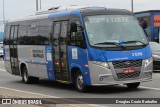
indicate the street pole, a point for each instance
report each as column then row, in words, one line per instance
column 104, row 2
column 36, row 5
column 40, row 5
column 4, row 20
column 132, row 5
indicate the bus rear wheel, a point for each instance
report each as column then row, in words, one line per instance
column 26, row 78
column 133, row 85
column 79, row 82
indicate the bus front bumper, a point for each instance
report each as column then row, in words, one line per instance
column 101, row 76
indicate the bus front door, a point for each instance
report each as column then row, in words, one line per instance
column 13, row 50
column 60, row 51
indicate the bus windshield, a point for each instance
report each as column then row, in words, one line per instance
column 108, row 30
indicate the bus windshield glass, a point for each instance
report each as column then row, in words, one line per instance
column 108, row 30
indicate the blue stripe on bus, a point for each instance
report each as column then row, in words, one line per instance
column 60, row 14
column 50, row 66
column 42, row 63
column 79, row 63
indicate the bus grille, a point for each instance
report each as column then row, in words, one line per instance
column 127, row 64
column 125, row 76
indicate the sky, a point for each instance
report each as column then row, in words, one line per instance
column 20, row 8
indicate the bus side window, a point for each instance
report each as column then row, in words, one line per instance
column 44, row 31
column 6, row 37
column 22, row 35
column 77, row 38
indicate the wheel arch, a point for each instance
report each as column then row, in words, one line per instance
column 22, row 64
column 74, row 71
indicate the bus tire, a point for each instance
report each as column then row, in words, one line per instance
column 79, row 84
column 133, row 85
column 26, row 78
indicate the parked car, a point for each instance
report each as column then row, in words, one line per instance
column 1, row 49
column 155, row 47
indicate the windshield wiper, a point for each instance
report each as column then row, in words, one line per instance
column 111, row 43
column 134, row 42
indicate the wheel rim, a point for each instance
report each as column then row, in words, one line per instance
column 80, row 81
column 25, row 75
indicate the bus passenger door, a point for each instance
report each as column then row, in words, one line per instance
column 13, row 50
column 63, row 51
column 60, row 51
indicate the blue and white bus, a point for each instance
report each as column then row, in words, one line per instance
column 91, row 46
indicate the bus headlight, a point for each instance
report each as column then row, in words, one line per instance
column 102, row 64
column 147, row 61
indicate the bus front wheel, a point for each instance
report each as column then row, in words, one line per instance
column 79, row 82
column 26, row 78
column 133, row 85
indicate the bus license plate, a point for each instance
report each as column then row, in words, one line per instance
column 128, row 70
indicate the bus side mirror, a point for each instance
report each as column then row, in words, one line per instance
column 143, row 23
column 73, row 27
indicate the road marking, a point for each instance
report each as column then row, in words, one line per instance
column 92, row 105
column 2, row 70
column 152, row 88
column 29, row 92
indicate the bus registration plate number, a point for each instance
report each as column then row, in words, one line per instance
column 128, row 70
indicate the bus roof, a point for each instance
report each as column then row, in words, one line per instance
column 84, row 11
column 102, row 10
column 93, row 11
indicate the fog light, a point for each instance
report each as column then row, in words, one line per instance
column 101, row 79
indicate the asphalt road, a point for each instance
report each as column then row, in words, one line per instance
column 50, row 88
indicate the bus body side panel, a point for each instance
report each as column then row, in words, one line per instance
column 35, row 59
column 77, row 57
column 7, row 59
column 49, row 62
